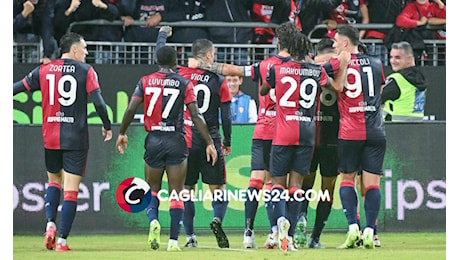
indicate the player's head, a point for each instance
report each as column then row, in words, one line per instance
column 324, row 46
column 300, row 46
column 167, row 56
column 203, row 49
column 284, row 33
column 401, row 56
column 73, row 45
column 346, row 38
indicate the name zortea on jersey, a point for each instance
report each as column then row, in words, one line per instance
column 61, row 68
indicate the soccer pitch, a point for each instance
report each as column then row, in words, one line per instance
column 394, row 246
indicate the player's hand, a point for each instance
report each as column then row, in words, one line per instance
column 107, row 134
column 122, row 143
column 344, row 57
column 211, row 153
column 227, row 150
column 192, row 63
column 167, row 29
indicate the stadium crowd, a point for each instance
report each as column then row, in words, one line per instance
column 46, row 21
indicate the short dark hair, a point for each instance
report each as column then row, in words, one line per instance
column 350, row 32
column 200, row 47
column 325, row 45
column 166, row 55
column 284, row 33
column 300, row 46
column 68, row 40
column 405, row 46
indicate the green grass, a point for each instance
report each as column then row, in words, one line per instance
column 394, row 246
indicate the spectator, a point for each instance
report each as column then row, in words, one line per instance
column 185, row 10
column 418, row 14
column 404, row 91
column 230, row 11
column 262, row 13
column 148, row 11
column 311, row 13
column 383, row 12
column 244, row 108
column 262, row 35
column 32, row 22
column 69, row 11
column 348, row 12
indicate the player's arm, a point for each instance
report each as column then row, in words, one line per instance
column 200, row 124
column 270, row 81
column 163, row 34
column 220, row 68
column 390, row 90
column 226, row 116
column 19, row 87
column 338, row 81
column 101, row 109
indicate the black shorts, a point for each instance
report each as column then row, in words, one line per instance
column 290, row 158
column 326, row 158
column 367, row 155
column 260, row 155
column 214, row 175
column 164, row 149
column 72, row 161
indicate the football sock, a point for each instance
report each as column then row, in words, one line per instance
column 152, row 208
column 349, row 201
column 176, row 212
column 52, row 199
column 278, row 201
column 323, row 211
column 189, row 215
column 220, row 207
column 372, row 205
column 69, row 209
column 252, row 201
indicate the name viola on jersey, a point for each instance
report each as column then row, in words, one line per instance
column 199, row 77
column 298, row 71
column 60, row 118
column 242, row 194
column 163, row 82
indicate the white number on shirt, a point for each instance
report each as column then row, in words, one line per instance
column 206, row 97
column 174, row 93
column 355, row 89
column 306, row 100
column 66, row 97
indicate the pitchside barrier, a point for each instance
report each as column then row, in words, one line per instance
column 413, row 185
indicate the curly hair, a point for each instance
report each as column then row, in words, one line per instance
column 300, row 46
column 284, row 33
